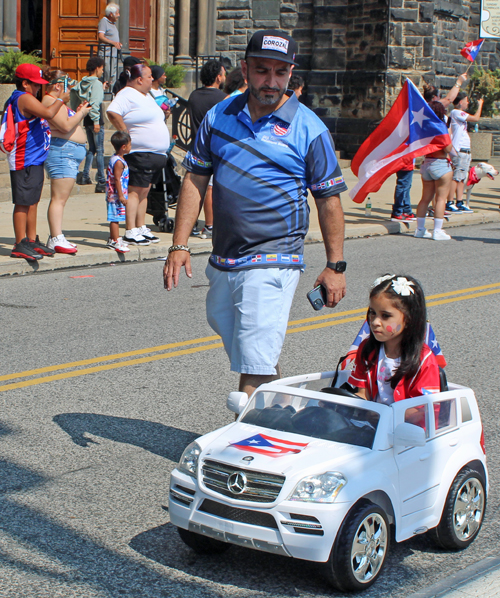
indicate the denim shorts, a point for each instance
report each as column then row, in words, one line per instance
column 433, row 169
column 461, row 165
column 64, row 158
column 249, row 309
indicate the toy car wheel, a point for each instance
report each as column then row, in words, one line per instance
column 463, row 512
column 360, row 550
column 202, row 544
column 170, row 225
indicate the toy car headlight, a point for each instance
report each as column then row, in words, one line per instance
column 189, row 460
column 319, row 488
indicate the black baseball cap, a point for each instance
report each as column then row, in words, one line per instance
column 272, row 43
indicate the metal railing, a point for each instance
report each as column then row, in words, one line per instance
column 181, row 122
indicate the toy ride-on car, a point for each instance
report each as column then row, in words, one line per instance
column 316, row 473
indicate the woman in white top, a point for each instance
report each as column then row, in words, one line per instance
column 461, row 157
column 134, row 110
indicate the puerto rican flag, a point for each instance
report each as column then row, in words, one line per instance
column 266, row 445
column 471, row 49
column 364, row 333
column 410, row 129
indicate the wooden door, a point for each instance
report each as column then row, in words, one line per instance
column 73, row 26
column 139, row 28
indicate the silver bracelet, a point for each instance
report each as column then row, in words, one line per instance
column 179, row 248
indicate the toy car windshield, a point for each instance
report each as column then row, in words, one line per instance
column 326, row 419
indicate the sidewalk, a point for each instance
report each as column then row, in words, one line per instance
column 85, row 224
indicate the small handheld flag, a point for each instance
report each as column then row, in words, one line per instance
column 471, row 49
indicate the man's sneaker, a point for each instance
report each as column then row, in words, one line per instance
column 147, row 234
column 463, row 209
column 40, row 247
column 82, row 179
column 61, row 245
column 409, row 217
column 422, row 233
column 206, row 233
column 452, row 208
column 397, row 218
column 120, row 246
column 25, row 250
column 100, row 188
column 196, row 232
column 134, row 237
column 440, row 235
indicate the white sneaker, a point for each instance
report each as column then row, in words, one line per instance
column 147, row 234
column 134, row 237
column 422, row 233
column 61, row 245
column 440, row 235
column 120, row 246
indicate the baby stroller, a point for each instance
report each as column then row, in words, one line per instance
column 163, row 195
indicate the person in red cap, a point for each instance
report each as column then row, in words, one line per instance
column 27, row 145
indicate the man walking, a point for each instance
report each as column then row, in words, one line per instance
column 265, row 150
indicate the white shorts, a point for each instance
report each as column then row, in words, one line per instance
column 249, row 309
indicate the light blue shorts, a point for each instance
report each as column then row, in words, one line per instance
column 64, row 158
column 249, row 309
column 433, row 169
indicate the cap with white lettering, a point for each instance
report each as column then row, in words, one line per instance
column 274, row 44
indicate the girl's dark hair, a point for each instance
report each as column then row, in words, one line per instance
column 414, row 312
column 234, row 81
column 460, row 96
column 119, row 139
column 439, row 110
column 430, row 92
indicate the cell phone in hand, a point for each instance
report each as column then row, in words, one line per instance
column 317, row 297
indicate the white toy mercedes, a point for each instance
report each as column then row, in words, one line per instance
column 313, row 472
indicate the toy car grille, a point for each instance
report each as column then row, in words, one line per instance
column 241, row 515
column 259, row 486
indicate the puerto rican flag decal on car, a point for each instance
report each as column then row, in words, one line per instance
column 266, row 445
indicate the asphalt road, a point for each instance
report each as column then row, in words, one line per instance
column 87, row 443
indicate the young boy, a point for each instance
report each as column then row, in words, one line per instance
column 91, row 90
column 25, row 134
column 117, row 190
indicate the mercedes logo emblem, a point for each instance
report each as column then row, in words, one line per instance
column 237, row 482
column 247, row 458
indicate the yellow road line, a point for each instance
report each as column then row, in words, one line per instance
column 331, row 320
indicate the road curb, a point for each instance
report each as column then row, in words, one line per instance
column 470, row 576
column 103, row 256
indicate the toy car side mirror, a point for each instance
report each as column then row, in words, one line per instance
column 407, row 434
column 236, row 401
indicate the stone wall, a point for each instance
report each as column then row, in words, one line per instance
column 356, row 54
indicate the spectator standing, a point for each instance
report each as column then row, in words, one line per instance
column 90, row 89
column 67, row 150
column 28, row 147
column 121, row 82
column 117, row 190
column 296, row 85
column 135, row 111
column 265, row 150
column 461, row 156
column 157, row 90
column 401, row 208
column 109, row 39
column 213, row 77
column 235, row 83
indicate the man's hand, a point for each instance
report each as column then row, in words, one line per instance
column 173, row 266
column 97, row 128
column 462, row 78
column 334, row 283
column 118, row 45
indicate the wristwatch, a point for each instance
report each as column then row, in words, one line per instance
column 337, row 266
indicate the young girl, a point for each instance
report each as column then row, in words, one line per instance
column 394, row 363
column 117, row 190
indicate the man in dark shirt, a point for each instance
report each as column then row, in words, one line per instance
column 213, row 77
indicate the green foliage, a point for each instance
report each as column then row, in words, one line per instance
column 485, row 84
column 9, row 61
column 175, row 73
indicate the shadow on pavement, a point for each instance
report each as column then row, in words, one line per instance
column 165, row 441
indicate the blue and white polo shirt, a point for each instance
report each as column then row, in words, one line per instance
column 262, row 171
